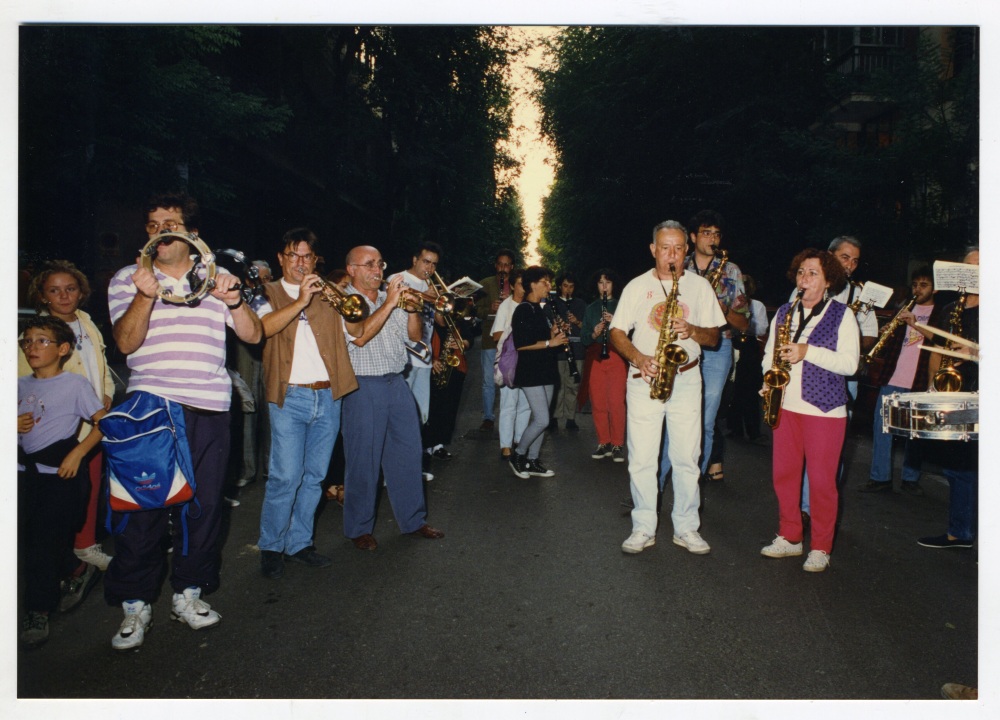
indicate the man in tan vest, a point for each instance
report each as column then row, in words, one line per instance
column 306, row 373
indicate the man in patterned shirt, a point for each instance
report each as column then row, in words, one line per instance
column 380, row 423
column 179, row 353
column 717, row 361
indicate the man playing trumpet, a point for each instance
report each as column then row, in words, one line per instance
column 306, row 374
column 381, row 425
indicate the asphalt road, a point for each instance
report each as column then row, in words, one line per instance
column 529, row 596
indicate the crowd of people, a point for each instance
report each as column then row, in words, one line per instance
column 666, row 362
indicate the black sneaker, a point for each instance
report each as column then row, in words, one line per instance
column 873, row 487
column 571, row 425
column 77, row 588
column 911, row 488
column 442, row 454
column 518, row 463
column 942, row 542
column 272, row 564
column 537, row 469
column 309, row 556
column 34, row 630
column 602, row 451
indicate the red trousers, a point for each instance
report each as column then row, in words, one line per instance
column 88, row 533
column 815, row 442
column 606, row 385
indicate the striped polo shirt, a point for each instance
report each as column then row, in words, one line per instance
column 183, row 357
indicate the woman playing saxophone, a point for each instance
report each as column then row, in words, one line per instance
column 821, row 349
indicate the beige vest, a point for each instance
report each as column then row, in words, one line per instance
column 326, row 325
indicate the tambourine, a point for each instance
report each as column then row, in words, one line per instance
column 201, row 277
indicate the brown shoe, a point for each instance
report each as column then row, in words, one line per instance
column 487, row 426
column 335, row 493
column 428, row 532
column 365, row 542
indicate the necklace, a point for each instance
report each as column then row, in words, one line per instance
column 79, row 337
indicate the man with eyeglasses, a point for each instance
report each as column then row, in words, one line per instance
column 496, row 289
column 717, row 360
column 177, row 352
column 381, row 425
column 306, row 374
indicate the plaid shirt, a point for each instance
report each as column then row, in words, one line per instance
column 384, row 354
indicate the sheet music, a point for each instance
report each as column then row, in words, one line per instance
column 956, row 276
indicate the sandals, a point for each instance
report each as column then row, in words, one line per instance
column 336, row 493
column 716, row 476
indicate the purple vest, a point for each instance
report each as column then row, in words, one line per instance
column 822, row 388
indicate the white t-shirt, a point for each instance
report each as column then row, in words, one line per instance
column 412, row 281
column 504, row 315
column 643, row 301
column 307, row 363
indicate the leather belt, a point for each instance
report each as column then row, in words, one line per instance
column 321, row 385
column 681, row 369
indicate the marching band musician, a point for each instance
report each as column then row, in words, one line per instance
column 604, row 376
column 960, row 461
column 846, row 249
column 570, row 310
column 496, row 288
column 381, row 425
column 696, row 323
column 306, row 375
column 822, row 351
column 535, row 338
column 179, row 353
column 904, row 368
column 514, row 410
column 716, row 361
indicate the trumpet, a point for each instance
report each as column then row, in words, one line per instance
column 353, row 307
column 888, row 330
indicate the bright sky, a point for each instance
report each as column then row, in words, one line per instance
column 529, row 147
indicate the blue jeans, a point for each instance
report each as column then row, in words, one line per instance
column 881, row 469
column 419, row 380
column 715, row 368
column 303, row 432
column 489, row 386
column 852, row 392
column 962, row 502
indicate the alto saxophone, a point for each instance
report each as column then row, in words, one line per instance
column 669, row 355
column 947, row 378
column 715, row 277
column 888, row 330
column 780, row 374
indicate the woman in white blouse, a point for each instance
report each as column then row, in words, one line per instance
column 822, row 351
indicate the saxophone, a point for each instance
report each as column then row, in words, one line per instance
column 715, row 277
column 780, row 373
column 888, row 330
column 947, row 378
column 669, row 355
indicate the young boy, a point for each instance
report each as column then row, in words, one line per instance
column 52, row 478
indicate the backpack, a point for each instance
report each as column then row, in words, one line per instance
column 149, row 461
column 505, row 365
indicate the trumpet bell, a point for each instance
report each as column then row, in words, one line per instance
column 354, row 308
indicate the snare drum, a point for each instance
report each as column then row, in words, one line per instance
column 932, row 415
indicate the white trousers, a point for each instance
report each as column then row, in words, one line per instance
column 645, row 421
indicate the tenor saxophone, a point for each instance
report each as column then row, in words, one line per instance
column 669, row 355
column 780, row 374
column 947, row 378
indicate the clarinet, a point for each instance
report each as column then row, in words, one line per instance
column 604, row 336
column 555, row 319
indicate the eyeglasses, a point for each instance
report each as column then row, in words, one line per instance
column 371, row 265
column 155, row 228
column 710, row 233
column 44, row 342
column 295, row 257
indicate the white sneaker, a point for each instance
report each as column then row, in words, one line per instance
column 781, row 548
column 693, row 542
column 637, row 542
column 131, row 633
column 191, row 609
column 94, row 555
column 427, row 476
column 816, row 561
